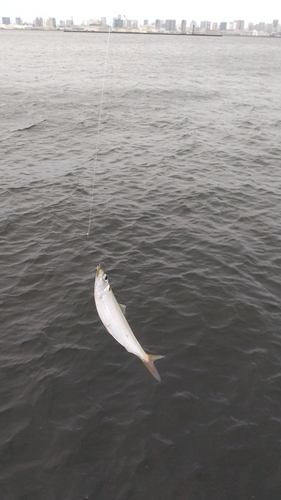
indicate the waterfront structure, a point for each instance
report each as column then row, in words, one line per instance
column 239, row 25
column 170, row 25
column 51, row 23
column 94, row 22
column 193, row 25
column 131, row 24
column 158, row 24
column 269, row 28
column 205, row 25
column 38, row 22
column 134, row 24
column 118, row 22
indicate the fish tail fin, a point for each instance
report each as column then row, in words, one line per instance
column 149, row 363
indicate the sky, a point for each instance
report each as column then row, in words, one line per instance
column 200, row 10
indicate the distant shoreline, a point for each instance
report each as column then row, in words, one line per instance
column 161, row 33
column 141, row 33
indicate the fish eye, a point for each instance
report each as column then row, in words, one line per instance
column 105, row 277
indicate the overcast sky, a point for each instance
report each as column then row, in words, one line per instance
column 201, row 10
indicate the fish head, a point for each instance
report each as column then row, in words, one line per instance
column 101, row 282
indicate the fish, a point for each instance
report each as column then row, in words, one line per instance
column 112, row 316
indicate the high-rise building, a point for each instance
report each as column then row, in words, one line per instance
column 103, row 21
column 275, row 24
column 62, row 24
column 239, row 25
column 19, row 21
column 250, row 26
column 170, row 25
column 261, row 26
column 69, row 23
column 215, row 26
column 131, row 23
column 145, row 22
column 192, row 26
column 205, row 24
column 117, row 22
column 269, row 28
column 51, row 23
column 6, row 20
column 38, row 21
column 223, row 26
column 158, row 24
column 183, row 26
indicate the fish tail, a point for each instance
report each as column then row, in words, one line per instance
column 149, row 363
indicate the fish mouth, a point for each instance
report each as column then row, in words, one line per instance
column 99, row 270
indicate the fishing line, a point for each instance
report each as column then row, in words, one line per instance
column 98, row 133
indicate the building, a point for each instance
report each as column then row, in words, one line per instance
column 103, row 21
column 19, row 21
column 261, row 26
column 215, row 26
column 145, row 22
column 170, row 25
column 269, row 28
column 131, row 23
column 158, row 24
column 223, row 26
column 275, row 24
column 69, row 23
column 205, row 25
column 183, row 26
column 94, row 22
column 51, row 23
column 6, row 20
column 117, row 22
column 38, row 22
column 62, row 24
column 239, row 25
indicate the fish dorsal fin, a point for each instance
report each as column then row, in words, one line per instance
column 123, row 309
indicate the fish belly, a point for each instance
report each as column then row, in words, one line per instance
column 116, row 324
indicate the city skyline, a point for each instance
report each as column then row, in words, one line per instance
column 81, row 11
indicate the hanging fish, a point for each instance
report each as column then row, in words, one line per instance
column 111, row 314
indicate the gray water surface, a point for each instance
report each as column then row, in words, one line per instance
column 186, row 219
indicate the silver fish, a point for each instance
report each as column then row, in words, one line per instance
column 112, row 316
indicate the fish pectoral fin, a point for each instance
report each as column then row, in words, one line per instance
column 149, row 363
column 123, row 309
